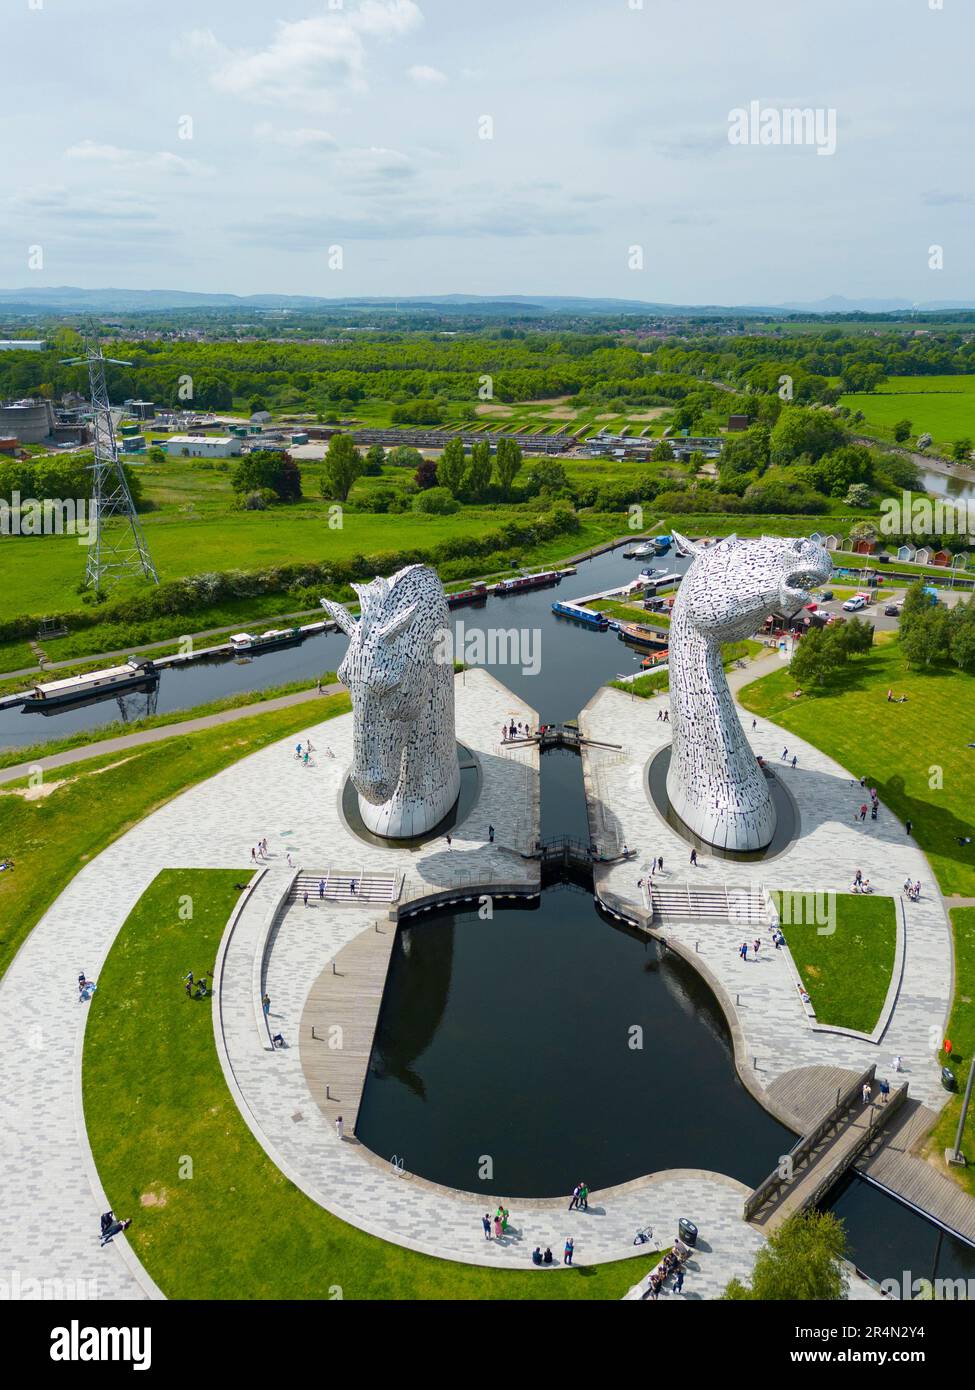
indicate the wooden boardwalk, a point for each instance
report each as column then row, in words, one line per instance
column 803, row 1096
column 339, row 1022
column 897, row 1165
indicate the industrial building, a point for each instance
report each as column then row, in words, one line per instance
column 28, row 421
column 214, row 446
column 22, row 344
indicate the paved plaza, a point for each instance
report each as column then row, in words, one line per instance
column 774, row 1033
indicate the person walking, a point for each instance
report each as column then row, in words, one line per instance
column 340, row 1127
column 584, row 1196
column 305, row 897
column 754, row 723
column 253, row 855
column 575, row 1197
column 794, row 761
column 908, row 826
column 321, row 888
column 449, row 841
column 266, row 1005
column 694, row 857
column 679, row 1279
column 784, row 754
column 867, row 1093
column 569, row 1249
column 497, row 1228
column 490, row 834
column 660, row 864
column 743, row 950
column 486, row 1223
column 883, row 1086
column 755, row 945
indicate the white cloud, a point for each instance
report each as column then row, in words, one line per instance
column 427, row 77
column 161, row 161
column 308, row 62
column 375, row 164
column 304, row 138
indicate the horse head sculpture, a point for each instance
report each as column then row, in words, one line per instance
column 714, row 783
column 404, row 764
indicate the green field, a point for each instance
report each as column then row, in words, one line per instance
column 236, row 1228
column 899, row 748
column 845, row 964
column 942, row 406
column 85, row 807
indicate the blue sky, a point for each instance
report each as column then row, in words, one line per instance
column 318, row 124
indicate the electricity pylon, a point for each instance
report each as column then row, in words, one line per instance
column 121, row 550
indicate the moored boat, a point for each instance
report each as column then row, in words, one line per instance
column 50, row 695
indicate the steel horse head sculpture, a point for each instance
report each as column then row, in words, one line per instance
column 404, row 766
column 714, row 783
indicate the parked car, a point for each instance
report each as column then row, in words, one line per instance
column 854, row 604
column 827, row 595
column 893, row 610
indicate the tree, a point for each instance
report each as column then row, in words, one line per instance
column 452, row 466
column 802, row 430
column 507, row 462
column 256, row 404
column 268, row 471
column 963, row 636
column 375, row 458
column 815, row 658
column 662, row 452
column 479, row 469
column 961, row 449
column 439, row 501
column 902, row 430
column 156, row 455
column 342, row 466
column 800, row 1261
column 404, row 456
column 927, row 638
column 426, row 474
column 916, row 604
column 858, row 495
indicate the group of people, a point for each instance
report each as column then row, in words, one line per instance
column 260, row 852
column 112, row 1226
column 663, row 716
column 195, row 989
column 513, row 730
column 743, row 948
column 580, row 1197
column 860, row 813
column 784, row 757
column 538, row 1258
column 303, row 754
column 671, row 1264
column 860, row 884
column 883, row 1092
column 498, row 1226
column 912, row 887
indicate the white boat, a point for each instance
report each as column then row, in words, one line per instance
column 277, row 637
column 639, row 552
column 51, row 694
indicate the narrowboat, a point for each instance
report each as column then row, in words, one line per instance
column 73, row 690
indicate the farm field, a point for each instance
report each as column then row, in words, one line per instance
column 942, row 406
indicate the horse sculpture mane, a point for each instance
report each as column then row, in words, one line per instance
column 714, row 783
column 404, row 763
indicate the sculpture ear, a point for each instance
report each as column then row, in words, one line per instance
column 685, row 544
column 728, row 540
column 392, row 629
column 341, row 615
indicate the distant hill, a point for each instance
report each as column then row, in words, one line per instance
column 71, row 299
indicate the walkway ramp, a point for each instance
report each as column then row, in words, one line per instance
column 817, row 1160
column 894, row 1162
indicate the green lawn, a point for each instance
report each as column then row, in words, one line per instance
column 899, row 748
column 846, row 971
column 51, row 837
column 237, row 1228
column 942, row 406
column 961, row 1031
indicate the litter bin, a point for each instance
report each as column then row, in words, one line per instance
column 687, row 1231
column 948, row 1079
